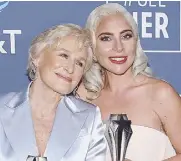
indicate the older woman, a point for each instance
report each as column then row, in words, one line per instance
column 45, row 121
column 152, row 105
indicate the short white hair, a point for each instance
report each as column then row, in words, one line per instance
column 140, row 64
column 51, row 39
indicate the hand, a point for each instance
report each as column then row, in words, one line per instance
column 127, row 160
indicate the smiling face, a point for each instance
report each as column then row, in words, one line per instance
column 115, row 44
column 62, row 68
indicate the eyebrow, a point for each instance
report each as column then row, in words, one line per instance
column 62, row 49
column 79, row 58
column 82, row 59
column 109, row 33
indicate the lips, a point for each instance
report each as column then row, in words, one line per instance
column 118, row 59
column 67, row 79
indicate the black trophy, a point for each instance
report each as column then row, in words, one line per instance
column 118, row 135
column 33, row 158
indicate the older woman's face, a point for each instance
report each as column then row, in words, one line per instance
column 115, row 44
column 61, row 69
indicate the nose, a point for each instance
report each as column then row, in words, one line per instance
column 118, row 46
column 70, row 67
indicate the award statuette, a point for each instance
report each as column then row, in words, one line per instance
column 33, row 158
column 118, row 135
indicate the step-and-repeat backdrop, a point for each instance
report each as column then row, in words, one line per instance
column 159, row 27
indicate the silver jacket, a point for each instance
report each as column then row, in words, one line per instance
column 77, row 134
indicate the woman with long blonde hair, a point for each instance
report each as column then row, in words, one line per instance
column 123, row 83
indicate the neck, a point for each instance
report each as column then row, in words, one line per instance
column 43, row 99
column 119, row 82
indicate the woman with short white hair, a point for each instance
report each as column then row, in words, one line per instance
column 47, row 121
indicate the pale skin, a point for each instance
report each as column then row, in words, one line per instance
column 147, row 101
column 49, row 87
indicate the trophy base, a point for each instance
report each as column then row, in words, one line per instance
column 33, row 158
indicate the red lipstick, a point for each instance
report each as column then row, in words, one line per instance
column 118, row 59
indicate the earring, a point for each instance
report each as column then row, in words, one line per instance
column 32, row 73
column 75, row 91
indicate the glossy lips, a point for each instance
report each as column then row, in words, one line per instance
column 118, row 59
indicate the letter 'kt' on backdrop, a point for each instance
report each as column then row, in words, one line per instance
column 158, row 23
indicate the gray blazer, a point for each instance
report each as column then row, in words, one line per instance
column 77, row 135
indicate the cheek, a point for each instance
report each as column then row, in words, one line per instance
column 58, row 62
column 77, row 77
column 130, row 47
column 48, row 62
column 55, row 63
column 102, row 50
column 78, row 74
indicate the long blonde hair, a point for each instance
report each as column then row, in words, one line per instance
column 140, row 64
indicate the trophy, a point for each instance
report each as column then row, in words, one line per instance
column 33, row 158
column 118, row 134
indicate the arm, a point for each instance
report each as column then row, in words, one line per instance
column 97, row 147
column 169, row 110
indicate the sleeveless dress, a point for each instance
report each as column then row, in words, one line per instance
column 147, row 144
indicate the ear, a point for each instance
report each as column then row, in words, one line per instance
column 37, row 60
column 35, row 63
column 40, row 57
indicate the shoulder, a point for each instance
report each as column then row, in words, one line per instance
column 12, row 99
column 158, row 89
column 162, row 90
column 164, row 97
column 79, row 105
column 82, row 104
column 5, row 98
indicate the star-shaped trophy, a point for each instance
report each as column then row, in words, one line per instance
column 33, row 158
column 118, row 134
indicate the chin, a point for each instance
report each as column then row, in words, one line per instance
column 64, row 92
column 117, row 71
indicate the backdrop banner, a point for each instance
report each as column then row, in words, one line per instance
column 159, row 28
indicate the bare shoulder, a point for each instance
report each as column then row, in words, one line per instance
column 159, row 92
column 167, row 104
column 164, row 97
column 162, row 90
column 159, row 88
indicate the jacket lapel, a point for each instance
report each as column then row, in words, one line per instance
column 18, row 126
column 68, row 123
column 17, row 122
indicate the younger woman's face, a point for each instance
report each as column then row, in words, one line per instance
column 115, row 44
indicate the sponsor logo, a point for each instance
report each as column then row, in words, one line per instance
column 3, row 5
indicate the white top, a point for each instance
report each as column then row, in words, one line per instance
column 147, row 144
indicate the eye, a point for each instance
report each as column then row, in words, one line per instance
column 79, row 63
column 105, row 38
column 64, row 55
column 127, row 36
